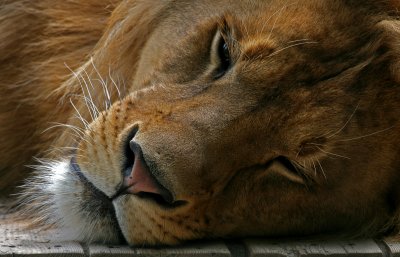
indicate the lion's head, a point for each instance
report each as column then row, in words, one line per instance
column 233, row 118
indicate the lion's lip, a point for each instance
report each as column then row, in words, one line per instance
column 102, row 200
column 73, row 165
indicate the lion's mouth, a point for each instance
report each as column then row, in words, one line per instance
column 162, row 196
column 160, row 201
column 96, row 200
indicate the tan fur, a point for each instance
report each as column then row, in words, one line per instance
column 314, row 82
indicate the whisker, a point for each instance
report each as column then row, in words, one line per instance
column 85, row 122
column 345, row 124
column 123, row 84
column 316, row 144
column 322, row 169
column 93, row 107
column 57, row 124
column 66, row 147
column 88, row 90
column 269, row 18
column 364, row 136
column 299, row 40
column 83, row 91
column 104, row 85
column 115, row 84
column 315, row 168
column 276, row 19
column 300, row 167
column 290, row 46
column 333, row 154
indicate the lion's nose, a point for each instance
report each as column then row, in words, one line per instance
column 139, row 180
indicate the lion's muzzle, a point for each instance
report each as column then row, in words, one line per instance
column 139, row 180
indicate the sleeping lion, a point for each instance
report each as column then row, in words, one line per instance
column 156, row 122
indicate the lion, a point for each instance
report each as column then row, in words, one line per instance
column 159, row 122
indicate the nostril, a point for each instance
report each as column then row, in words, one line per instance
column 129, row 156
column 139, row 180
column 135, row 148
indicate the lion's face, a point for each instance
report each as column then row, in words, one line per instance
column 239, row 118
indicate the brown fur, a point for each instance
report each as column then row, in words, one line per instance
column 316, row 82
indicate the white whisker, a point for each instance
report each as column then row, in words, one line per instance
column 92, row 106
column 115, row 84
column 104, row 85
column 364, row 136
column 315, row 168
column 345, row 124
column 91, row 111
column 290, row 46
column 88, row 90
column 85, row 122
column 298, row 41
column 57, row 124
column 322, row 169
column 333, row 154
column 276, row 19
column 123, row 84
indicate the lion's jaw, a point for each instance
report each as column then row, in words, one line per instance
column 270, row 148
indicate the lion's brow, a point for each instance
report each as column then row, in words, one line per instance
column 256, row 50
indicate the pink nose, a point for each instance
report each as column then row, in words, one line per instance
column 139, row 180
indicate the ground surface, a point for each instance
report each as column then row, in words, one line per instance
column 17, row 240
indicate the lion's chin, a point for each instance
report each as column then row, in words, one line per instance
column 63, row 199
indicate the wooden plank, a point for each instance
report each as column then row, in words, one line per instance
column 97, row 250
column 5, row 251
column 4, row 247
column 17, row 239
column 48, row 249
column 393, row 247
column 259, row 247
column 215, row 249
